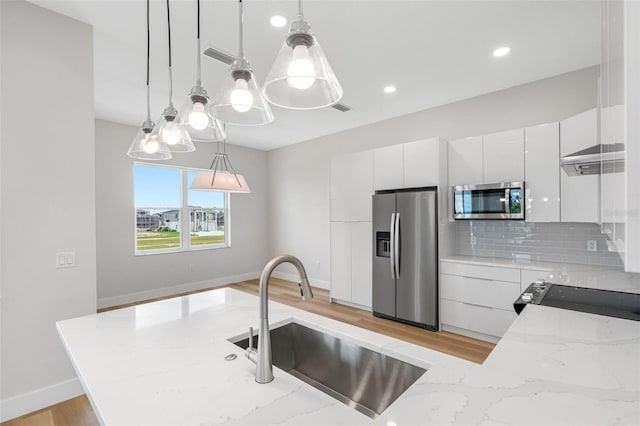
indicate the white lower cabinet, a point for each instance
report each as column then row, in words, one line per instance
column 477, row 300
column 351, row 262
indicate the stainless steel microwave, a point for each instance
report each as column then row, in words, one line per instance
column 489, row 201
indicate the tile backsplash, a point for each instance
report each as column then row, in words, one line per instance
column 543, row 242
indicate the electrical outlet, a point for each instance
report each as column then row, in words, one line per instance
column 592, row 245
column 472, row 240
column 190, row 267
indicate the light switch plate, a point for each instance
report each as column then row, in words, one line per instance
column 66, row 259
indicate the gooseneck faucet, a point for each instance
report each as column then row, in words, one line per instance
column 262, row 357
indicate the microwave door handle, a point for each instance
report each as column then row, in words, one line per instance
column 507, row 201
column 392, row 229
column 396, row 248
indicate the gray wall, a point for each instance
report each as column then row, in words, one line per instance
column 47, row 200
column 299, row 174
column 124, row 277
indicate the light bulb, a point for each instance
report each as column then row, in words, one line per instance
column 171, row 133
column 241, row 98
column 301, row 73
column 198, row 118
column 150, row 144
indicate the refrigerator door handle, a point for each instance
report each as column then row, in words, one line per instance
column 392, row 230
column 396, row 248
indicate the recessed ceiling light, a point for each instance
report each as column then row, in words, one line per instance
column 278, row 21
column 389, row 89
column 501, row 51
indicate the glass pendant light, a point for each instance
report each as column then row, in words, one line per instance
column 168, row 128
column 239, row 100
column 301, row 77
column 196, row 115
column 144, row 145
column 221, row 176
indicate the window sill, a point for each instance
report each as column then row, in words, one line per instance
column 181, row 250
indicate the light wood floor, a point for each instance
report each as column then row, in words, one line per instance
column 78, row 412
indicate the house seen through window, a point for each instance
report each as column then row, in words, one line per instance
column 170, row 217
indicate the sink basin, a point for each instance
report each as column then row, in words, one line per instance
column 365, row 380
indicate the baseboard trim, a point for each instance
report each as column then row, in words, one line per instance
column 124, row 299
column 469, row 333
column 38, row 399
column 294, row 277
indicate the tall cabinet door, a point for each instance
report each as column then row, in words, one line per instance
column 361, row 263
column 384, row 288
column 465, row 161
column 341, row 260
column 579, row 195
column 542, row 175
column 417, row 283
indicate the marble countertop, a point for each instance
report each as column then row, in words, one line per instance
column 601, row 277
column 163, row 364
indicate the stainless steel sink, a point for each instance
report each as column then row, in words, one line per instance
column 358, row 377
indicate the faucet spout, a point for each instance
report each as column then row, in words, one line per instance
column 264, row 365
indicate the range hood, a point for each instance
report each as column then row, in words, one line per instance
column 595, row 160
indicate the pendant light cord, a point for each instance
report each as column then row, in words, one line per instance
column 240, row 37
column 198, row 78
column 170, row 74
column 300, row 14
column 148, row 50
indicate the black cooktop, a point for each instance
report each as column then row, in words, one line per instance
column 601, row 302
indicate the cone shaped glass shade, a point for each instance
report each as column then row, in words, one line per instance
column 173, row 134
column 302, row 78
column 145, row 146
column 240, row 102
column 219, row 181
column 199, row 122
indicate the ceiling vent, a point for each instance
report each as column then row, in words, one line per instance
column 227, row 58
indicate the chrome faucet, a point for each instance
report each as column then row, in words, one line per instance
column 262, row 357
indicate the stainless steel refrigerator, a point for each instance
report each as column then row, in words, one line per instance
column 405, row 256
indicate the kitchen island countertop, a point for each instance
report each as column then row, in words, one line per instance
column 163, row 363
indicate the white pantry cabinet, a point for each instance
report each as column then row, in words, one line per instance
column 477, row 300
column 465, row 161
column 579, row 195
column 351, row 262
column 503, row 156
column 351, row 187
column 542, row 174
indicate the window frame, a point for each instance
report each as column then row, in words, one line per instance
column 185, row 215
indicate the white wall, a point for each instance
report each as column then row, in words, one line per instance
column 299, row 174
column 124, row 277
column 47, row 200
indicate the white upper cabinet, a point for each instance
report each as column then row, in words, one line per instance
column 503, row 156
column 542, row 174
column 421, row 163
column 579, row 195
column 465, row 161
column 351, row 187
column 388, row 166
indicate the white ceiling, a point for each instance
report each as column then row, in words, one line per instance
column 435, row 52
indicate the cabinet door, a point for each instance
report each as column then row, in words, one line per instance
column 341, row 261
column 361, row 187
column 421, row 163
column 579, row 195
column 361, row 263
column 542, row 174
column 465, row 161
column 387, row 167
column 339, row 188
column 503, row 156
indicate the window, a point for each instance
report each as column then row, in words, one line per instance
column 170, row 217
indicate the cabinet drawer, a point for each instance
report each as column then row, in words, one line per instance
column 496, row 294
column 480, row 319
column 479, row 271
